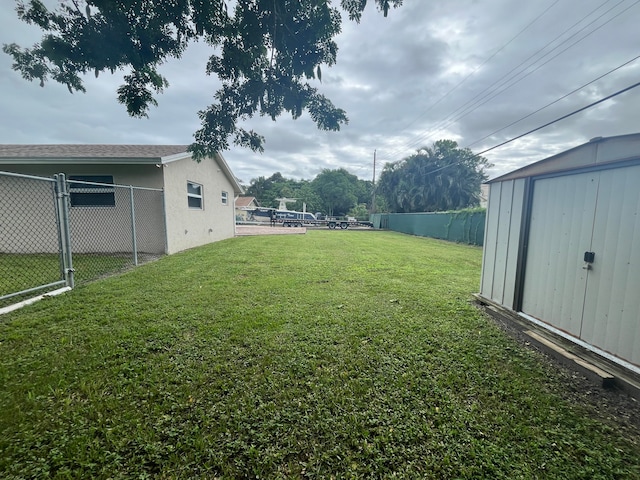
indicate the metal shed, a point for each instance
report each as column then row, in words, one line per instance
column 562, row 246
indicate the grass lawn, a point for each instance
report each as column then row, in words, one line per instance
column 20, row 272
column 328, row 355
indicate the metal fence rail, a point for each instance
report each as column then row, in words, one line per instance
column 58, row 231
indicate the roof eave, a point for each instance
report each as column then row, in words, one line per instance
column 237, row 188
column 526, row 171
column 79, row 160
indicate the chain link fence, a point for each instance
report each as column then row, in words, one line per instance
column 29, row 237
column 57, row 232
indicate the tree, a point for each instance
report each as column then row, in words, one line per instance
column 265, row 52
column 359, row 211
column 332, row 191
column 438, row 178
column 338, row 190
column 266, row 190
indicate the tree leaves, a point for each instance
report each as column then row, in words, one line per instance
column 438, row 178
column 333, row 192
column 136, row 93
column 266, row 52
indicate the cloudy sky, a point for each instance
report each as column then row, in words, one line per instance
column 433, row 69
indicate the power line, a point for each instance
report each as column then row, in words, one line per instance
column 478, row 68
column 472, row 104
column 593, row 104
column 608, row 97
column 556, row 100
column 485, row 100
column 464, row 109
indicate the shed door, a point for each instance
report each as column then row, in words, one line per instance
column 591, row 212
column 611, row 318
column 560, row 232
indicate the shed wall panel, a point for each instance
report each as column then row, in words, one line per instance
column 490, row 242
column 502, row 242
column 489, row 249
column 502, row 236
column 612, row 308
column 513, row 246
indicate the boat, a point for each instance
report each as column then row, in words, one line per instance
column 282, row 214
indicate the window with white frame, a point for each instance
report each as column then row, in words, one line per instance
column 92, row 191
column 194, row 195
column 225, row 198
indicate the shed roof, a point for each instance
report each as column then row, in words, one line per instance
column 597, row 151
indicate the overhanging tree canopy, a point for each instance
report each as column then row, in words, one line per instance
column 264, row 52
column 438, row 178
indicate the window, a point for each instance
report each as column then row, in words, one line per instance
column 194, row 195
column 225, row 198
column 84, row 194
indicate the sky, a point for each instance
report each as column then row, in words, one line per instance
column 465, row 70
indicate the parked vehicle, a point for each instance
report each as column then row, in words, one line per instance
column 292, row 218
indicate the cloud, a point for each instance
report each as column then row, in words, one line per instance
column 461, row 69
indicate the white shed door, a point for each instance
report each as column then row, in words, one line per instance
column 591, row 212
column 559, row 234
column 611, row 318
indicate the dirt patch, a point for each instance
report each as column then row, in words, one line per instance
column 612, row 406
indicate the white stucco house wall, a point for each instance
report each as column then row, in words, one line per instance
column 196, row 205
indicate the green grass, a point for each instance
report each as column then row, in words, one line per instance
column 20, row 272
column 328, row 355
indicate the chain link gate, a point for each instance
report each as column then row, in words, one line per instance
column 30, row 253
column 57, row 232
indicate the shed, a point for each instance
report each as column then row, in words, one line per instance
column 562, row 246
column 197, row 205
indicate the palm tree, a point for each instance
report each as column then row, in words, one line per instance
column 437, row 178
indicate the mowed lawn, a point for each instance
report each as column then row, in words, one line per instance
column 335, row 354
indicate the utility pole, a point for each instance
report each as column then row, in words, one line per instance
column 373, row 195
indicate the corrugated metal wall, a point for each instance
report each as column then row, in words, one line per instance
column 502, row 234
column 611, row 318
column 591, row 211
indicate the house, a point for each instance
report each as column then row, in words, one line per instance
column 194, row 206
column 561, row 248
column 244, row 207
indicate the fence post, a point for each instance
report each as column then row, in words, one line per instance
column 62, row 205
column 133, row 228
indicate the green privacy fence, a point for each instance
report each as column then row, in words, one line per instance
column 465, row 226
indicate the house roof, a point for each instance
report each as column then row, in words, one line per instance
column 245, row 201
column 103, row 154
column 597, row 151
column 88, row 152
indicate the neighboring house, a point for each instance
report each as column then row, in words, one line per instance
column 562, row 246
column 196, row 206
column 244, row 207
